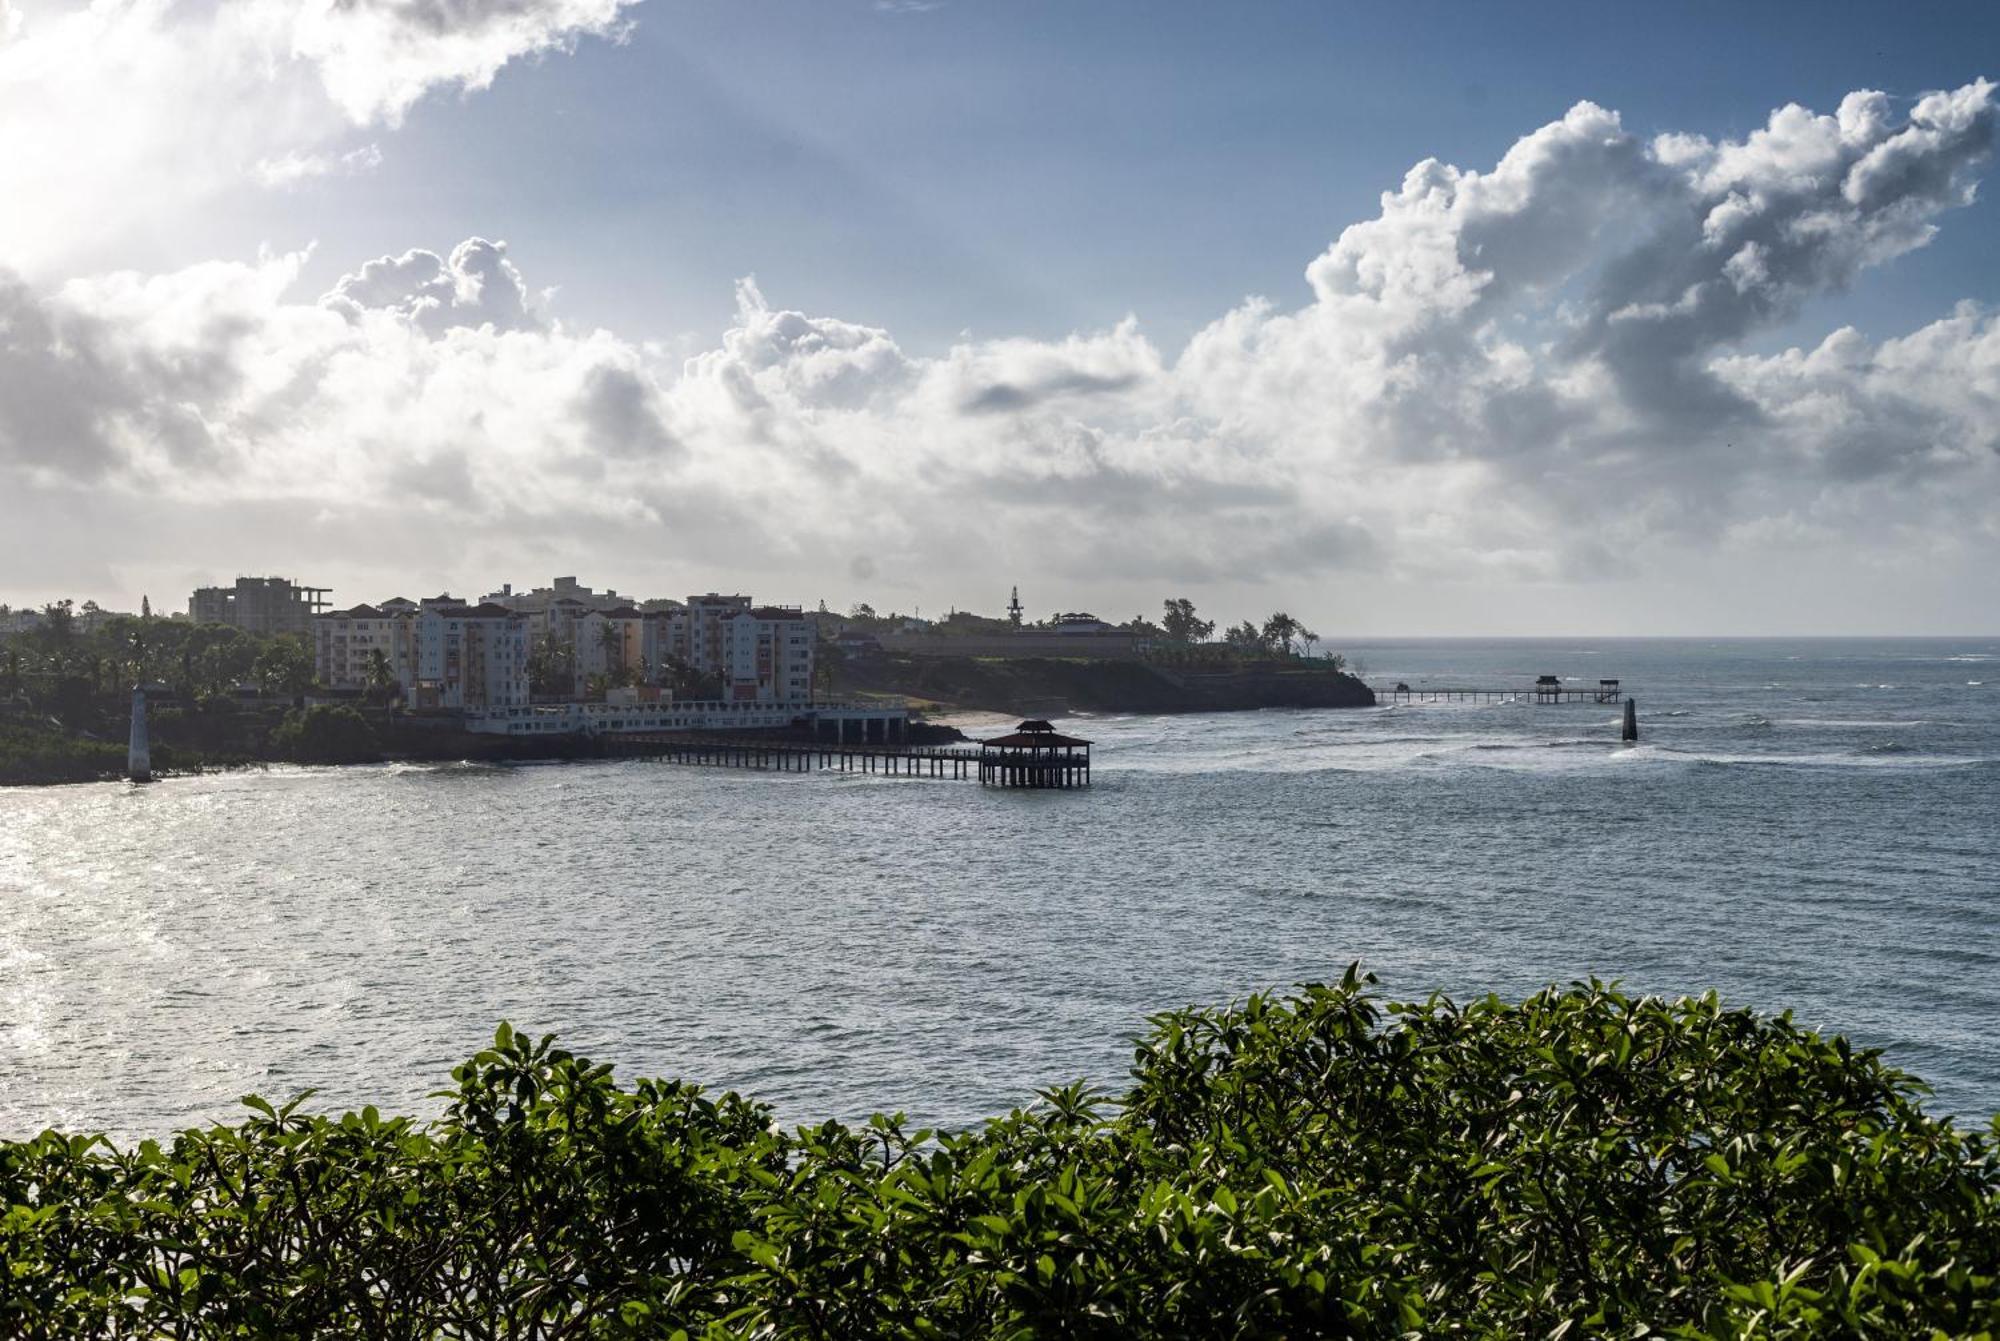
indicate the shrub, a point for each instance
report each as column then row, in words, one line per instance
column 327, row 733
column 1582, row 1163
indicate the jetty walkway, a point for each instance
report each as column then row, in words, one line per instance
column 1034, row 756
column 795, row 756
column 1547, row 690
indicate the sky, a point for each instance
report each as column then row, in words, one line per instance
column 1408, row 319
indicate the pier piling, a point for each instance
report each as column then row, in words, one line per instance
column 1631, row 730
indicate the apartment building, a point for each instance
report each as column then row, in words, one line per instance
column 612, row 643
column 698, row 638
column 767, row 655
column 344, row 643
column 562, row 589
column 473, row 657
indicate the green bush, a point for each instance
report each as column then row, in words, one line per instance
column 1580, row 1164
column 327, row 733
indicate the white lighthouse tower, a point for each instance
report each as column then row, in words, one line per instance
column 139, row 754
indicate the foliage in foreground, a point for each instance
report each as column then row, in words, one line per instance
column 1583, row 1163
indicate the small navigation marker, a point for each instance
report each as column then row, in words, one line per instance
column 1631, row 731
column 139, row 755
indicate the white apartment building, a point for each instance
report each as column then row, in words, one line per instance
column 698, row 636
column 561, row 589
column 610, row 643
column 344, row 640
column 767, row 655
column 473, row 657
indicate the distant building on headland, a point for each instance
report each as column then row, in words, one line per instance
column 261, row 605
column 1076, row 634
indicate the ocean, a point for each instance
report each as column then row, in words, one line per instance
column 1810, row 825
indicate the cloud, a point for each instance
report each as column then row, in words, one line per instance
column 291, row 167
column 476, row 286
column 378, row 57
column 175, row 103
column 1534, row 370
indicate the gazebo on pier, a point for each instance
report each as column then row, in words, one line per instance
column 1035, row 755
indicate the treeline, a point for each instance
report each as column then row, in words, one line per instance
column 1580, row 1164
column 70, row 661
column 1181, row 629
column 65, row 699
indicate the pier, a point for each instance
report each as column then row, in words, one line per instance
column 1546, row 690
column 1033, row 756
column 960, row 762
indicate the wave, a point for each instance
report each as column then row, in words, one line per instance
column 1900, row 757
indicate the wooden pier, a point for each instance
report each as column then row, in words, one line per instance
column 792, row 756
column 1548, row 690
column 1034, row 756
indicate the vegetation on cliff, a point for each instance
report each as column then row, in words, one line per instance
column 1582, row 1163
column 1042, row 685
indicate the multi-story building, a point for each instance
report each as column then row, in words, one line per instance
column 561, row 589
column 473, row 657
column 698, row 639
column 263, row 605
column 767, row 655
column 611, row 643
column 344, row 643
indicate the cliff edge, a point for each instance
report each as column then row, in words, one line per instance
column 1031, row 686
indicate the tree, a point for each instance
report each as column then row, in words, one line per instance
column 381, row 676
column 1279, row 630
column 327, row 733
column 59, row 621
column 283, row 667
column 862, row 610
column 611, row 638
column 552, row 667
column 1244, row 638
column 1307, row 638
column 1183, row 625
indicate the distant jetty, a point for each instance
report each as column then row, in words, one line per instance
column 1547, row 689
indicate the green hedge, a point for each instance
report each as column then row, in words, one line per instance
column 1580, row 1164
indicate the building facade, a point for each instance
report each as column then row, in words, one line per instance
column 767, row 655
column 263, row 605
column 471, row 657
column 344, row 644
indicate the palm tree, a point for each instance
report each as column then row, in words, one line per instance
column 612, row 639
column 382, row 683
column 1308, row 638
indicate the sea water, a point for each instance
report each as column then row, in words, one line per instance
column 1811, row 825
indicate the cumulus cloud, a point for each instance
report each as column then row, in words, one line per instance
column 378, row 57
column 1537, row 367
column 174, row 103
column 475, row 286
